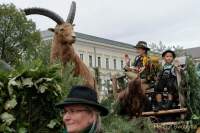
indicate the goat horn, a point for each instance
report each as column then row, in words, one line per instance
column 44, row 12
column 72, row 11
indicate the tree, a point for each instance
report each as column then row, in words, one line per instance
column 18, row 36
column 193, row 83
column 43, row 51
column 160, row 47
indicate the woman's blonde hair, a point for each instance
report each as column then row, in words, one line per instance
column 98, row 118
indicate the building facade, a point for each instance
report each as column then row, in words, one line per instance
column 96, row 52
column 194, row 52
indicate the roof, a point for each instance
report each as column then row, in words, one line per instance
column 194, row 52
column 48, row 34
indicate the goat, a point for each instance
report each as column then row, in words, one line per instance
column 132, row 100
column 63, row 40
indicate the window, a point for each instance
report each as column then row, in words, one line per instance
column 108, row 85
column 122, row 64
column 90, row 60
column 100, row 84
column 115, row 64
column 107, row 63
column 99, row 62
column 81, row 56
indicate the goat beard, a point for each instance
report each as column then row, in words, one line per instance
column 68, row 42
column 72, row 41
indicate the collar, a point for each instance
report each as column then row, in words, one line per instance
column 168, row 64
column 90, row 129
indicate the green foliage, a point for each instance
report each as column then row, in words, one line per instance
column 18, row 36
column 193, row 81
column 43, row 51
column 28, row 95
column 121, row 124
column 198, row 70
column 117, row 124
column 68, row 78
column 4, row 66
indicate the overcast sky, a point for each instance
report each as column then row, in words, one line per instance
column 174, row 22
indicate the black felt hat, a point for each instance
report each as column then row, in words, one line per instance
column 169, row 51
column 143, row 45
column 83, row 95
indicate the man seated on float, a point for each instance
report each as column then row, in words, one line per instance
column 166, row 79
column 141, row 63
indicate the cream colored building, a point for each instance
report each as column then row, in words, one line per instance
column 107, row 55
column 194, row 52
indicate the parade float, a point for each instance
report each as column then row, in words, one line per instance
column 30, row 88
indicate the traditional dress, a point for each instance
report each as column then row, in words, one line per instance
column 167, row 78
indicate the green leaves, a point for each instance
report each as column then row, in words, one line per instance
column 195, row 117
column 1, row 85
column 10, row 104
column 52, row 123
column 18, row 36
column 114, row 123
column 27, row 82
column 193, row 84
column 28, row 94
column 22, row 130
column 42, row 88
column 7, row 118
column 117, row 124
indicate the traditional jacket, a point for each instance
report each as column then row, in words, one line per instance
column 143, row 61
column 167, row 72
